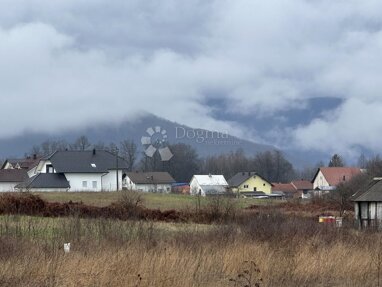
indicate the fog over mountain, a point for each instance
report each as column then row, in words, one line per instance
column 299, row 75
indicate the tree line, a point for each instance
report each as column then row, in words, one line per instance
column 186, row 162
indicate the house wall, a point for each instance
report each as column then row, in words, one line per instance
column 320, row 181
column 47, row 190
column 129, row 184
column 109, row 180
column 254, row 182
column 195, row 188
column 161, row 188
column 368, row 214
column 8, row 166
column 76, row 180
column 7, row 186
column 42, row 168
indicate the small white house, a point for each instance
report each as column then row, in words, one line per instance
column 94, row 170
column 208, row 185
column 149, row 181
column 9, row 178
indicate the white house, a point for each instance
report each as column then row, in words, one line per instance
column 327, row 178
column 9, row 178
column 208, row 184
column 94, row 170
column 149, row 181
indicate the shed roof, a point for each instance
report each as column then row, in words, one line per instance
column 13, row 175
column 373, row 192
column 45, row 180
column 284, row 187
column 302, row 184
column 150, row 177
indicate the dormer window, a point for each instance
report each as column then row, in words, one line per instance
column 93, row 165
column 49, row 168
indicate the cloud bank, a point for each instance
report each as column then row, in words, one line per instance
column 73, row 63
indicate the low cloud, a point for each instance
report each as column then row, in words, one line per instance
column 75, row 63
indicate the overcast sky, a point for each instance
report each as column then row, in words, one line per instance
column 211, row 64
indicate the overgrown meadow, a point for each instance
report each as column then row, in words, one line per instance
column 218, row 244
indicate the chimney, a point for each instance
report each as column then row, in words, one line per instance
column 94, row 151
column 34, row 156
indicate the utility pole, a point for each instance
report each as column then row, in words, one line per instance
column 116, row 157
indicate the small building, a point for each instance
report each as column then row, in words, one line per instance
column 10, row 178
column 285, row 188
column 45, row 182
column 208, row 185
column 368, row 205
column 303, row 187
column 149, row 181
column 250, row 184
column 326, row 179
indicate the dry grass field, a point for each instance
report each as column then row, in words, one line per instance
column 116, row 253
column 160, row 201
column 255, row 247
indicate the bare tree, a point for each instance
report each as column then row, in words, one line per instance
column 82, row 143
column 129, row 152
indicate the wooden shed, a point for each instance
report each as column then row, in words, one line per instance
column 368, row 205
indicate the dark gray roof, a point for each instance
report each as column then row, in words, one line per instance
column 13, row 175
column 373, row 192
column 45, row 180
column 150, row 177
column 99, row 161
column 241, row 177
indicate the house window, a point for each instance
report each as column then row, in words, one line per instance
column 263, row 184
column 49, row 168
column 94, row 184
column 85, row 184
column 245, row 185
column 254, row 189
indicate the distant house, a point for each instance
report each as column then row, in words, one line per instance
column 10, row 178
column 250, row 184
column 303, row 188
column 29, row 164
column 94, row 170
column 286, row 188
column 327, row 178
column 208, row 185
column 149, row 181
column 368, row 205
column 294, row 189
